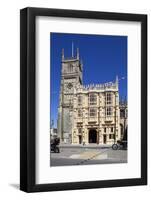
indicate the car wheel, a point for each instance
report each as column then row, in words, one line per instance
column 114, row 146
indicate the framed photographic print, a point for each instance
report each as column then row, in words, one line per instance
column 83, row 99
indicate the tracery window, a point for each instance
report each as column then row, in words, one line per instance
column 108, row 98
column 108, row 111
column 92, row 112
column 92, row 99
column 111, row 136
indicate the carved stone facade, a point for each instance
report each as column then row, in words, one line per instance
column 87, row 114
column 96, row 114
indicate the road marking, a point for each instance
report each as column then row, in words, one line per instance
column 75, row 156
column 92, row 157
column 102, row 156
column 84, row 155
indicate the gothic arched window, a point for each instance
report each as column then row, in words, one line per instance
column 92, row 112
column 70, row 68
column 108, row 98
column 92, row 99
column 109, row 111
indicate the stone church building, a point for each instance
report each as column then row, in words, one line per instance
column 87, row 113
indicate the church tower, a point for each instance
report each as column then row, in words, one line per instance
column 71, row 76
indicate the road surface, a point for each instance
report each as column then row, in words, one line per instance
column 86, row 156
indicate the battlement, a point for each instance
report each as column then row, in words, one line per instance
column 97, row 87
column 69, row 59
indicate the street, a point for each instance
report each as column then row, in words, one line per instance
column 78, row 155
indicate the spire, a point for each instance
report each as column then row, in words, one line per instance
column 78, row 53
column 72, row 50
column 62, row 54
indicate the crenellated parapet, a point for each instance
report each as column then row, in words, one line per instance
column 113, row 86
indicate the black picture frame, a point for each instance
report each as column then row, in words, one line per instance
column 28, row 99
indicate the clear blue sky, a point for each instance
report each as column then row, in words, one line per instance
column 103, row 58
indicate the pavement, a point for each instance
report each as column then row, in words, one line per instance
column 85, row 155
column 63, row 145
